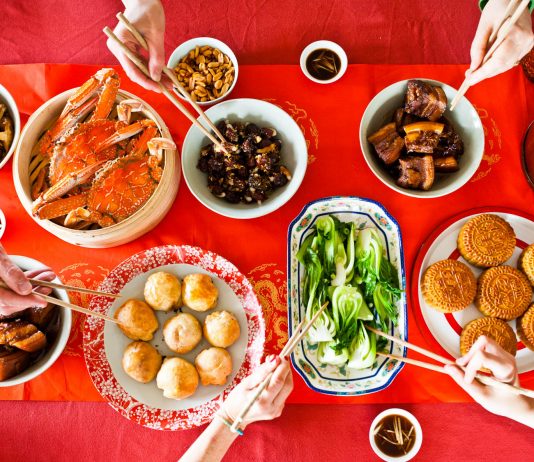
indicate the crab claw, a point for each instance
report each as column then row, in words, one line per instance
column 156, row 146
column 63, row 186
column 126, row 107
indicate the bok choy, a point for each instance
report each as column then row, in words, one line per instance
column 349, row 269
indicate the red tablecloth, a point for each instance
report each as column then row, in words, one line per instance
column 336, row 167
column 382, row 31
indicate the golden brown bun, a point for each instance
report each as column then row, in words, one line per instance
column 182, row 333
column 163, row 291
column 503, row 292
column 493, row 328
column 214, row 365
column 177, row 378
column 141, row 361
column 525, row 327
column 138, row 320
column 448, row 286
column 221, row 329
column 526, row 263
column 486, row 240
column 199, row 293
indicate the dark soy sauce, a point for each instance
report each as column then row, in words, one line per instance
column 394, row 435
column 323, row 64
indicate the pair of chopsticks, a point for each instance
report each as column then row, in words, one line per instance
column 218, row 140
column 497, row 37
column 301, row 330
column 484, row 379
column 70, row 306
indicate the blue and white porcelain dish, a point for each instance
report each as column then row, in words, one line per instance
column 334, row 380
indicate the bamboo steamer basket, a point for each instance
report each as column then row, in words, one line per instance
column 128, row 230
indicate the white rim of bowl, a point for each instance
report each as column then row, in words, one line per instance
column 407, row 192
column 190, row 45
column 14, row 112
column 3, row 223
column 418, row 435
column 266, row 209
column 331, row 46
column 62, row 335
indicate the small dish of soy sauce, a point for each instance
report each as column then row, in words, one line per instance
column 323, row 61
column 395, row 435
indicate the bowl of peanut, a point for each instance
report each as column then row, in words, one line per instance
column 206, row 67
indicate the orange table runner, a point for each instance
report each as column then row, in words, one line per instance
column 329, row 116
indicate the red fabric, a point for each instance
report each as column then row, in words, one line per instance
column 258, row 31
column 93, row 431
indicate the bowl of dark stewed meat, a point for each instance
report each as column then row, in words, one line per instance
column 256, row 169
column 415, row 145
column 31, row 340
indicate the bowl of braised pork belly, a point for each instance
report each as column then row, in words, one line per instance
column 33, row 339
column 415, row 145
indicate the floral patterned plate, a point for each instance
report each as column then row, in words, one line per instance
column 104, row 343
column 324, row 378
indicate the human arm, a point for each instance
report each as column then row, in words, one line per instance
column 18, row 296
column 517, row 43
column 148, row 18
column 486, row 353
column 214, row 442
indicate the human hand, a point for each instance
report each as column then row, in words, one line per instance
column 19, row 297
column 486, row 353
column 517, row 43
column 271, row 402
column 148, row 18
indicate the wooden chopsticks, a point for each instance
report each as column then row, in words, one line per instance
column 53, row 285
column 498, row 35
column 290, row 346
column 70, row 306
column 172, row 76
column 141, row 64
column 484, row 379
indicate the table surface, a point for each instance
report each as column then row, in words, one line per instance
column 385, row 32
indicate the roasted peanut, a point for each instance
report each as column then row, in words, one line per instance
column 206, row 72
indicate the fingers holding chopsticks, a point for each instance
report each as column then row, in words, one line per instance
column 149, row 20
column 486, row 353
column 495, row 25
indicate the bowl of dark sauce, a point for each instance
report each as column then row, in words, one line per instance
column 395, row 435
column 527, row 155
column 323, row 61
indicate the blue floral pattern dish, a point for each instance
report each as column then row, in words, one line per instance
column 325, row 378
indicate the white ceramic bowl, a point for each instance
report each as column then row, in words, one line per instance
column 329, row 46
column 464, row 119
column 7, row 99
column 2, row 223
column 294, row 155
column 53, row 351
column 186, row 47
column 142, row 221
column 418, row 435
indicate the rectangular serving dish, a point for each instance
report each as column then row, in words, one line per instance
column 329, row 379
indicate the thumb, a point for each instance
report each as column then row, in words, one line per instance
column 259, row 375
column 156, row 61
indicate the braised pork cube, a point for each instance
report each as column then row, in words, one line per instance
column 422, row 137
column 416, row 172
column 402, row 118
column 424, row 100
column 446, row 164
column 388, row 144
column 450, row 144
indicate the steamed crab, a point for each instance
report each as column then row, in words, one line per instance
column 104, row 177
